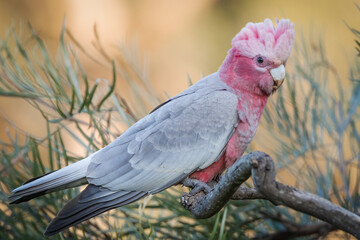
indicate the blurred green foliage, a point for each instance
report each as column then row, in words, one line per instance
column 316, row 131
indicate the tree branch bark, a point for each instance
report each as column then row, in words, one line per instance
column 317, row 230
column 261, row 167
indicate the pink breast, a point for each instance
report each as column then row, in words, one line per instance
column 249, row 110
column 234, row 150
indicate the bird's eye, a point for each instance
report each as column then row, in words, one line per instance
column 261, row 61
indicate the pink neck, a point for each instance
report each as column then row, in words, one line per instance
column 252, row 97
column 251, row 103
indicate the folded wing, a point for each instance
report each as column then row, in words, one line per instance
column 186, row 134
column 172, row 142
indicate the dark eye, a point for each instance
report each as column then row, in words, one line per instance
column 260, row 60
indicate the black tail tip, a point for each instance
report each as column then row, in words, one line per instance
column 13, row 199
column 48, row 233
column 16, row 198
column 51, row 230
column 55, row 227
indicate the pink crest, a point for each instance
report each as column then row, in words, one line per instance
column 266, row 39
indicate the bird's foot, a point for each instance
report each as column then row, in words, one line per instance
column 199, row 190
column 188, row 201
column 197, row 186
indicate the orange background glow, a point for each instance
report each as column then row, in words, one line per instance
column 174, row 38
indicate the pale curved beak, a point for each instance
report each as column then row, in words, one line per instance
column 278, row 75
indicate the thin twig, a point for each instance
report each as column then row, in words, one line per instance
column 318, row 229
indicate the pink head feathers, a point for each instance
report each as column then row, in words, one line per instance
column 265, row 39
column 256, row 61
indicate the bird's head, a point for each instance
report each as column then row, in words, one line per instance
column 256, row 62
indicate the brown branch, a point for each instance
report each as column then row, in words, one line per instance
column 263, row 174
column 244, row 193
column 262, row 169
column 320, row 229
column 208, row 205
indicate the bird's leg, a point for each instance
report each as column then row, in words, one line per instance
column 199, row 189
column 197, row 186
column 216, row 179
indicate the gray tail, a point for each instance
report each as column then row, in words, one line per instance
column 69, row 176
column 89, row 203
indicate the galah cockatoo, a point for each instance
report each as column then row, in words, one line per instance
column 194, row 135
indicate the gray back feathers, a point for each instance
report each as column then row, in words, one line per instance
column 184, row 135
column 187, row 133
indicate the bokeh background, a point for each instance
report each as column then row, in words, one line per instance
column 174, row 38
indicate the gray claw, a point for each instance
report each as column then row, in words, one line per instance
column 197, row 186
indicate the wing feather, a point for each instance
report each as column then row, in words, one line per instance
column 89, row 203
column 186, row 134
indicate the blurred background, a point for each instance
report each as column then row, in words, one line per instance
column 174, row 38
column 170, row 41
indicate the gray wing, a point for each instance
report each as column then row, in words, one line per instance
column 186, row 134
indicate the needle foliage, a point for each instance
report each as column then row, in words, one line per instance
column 316, row 132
